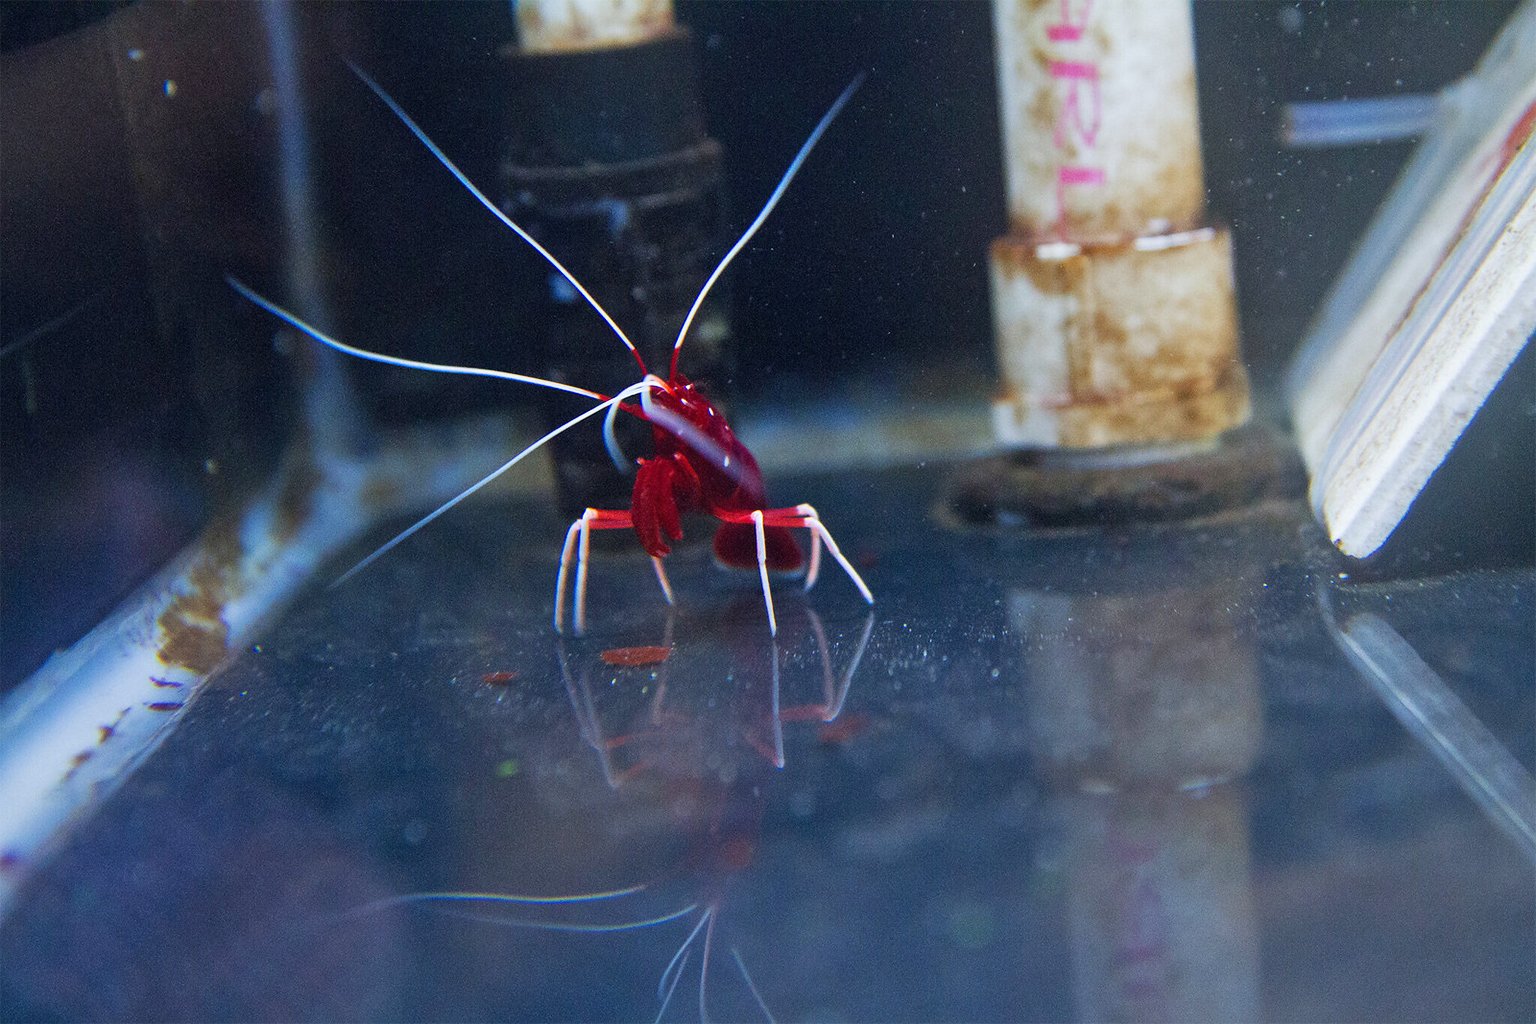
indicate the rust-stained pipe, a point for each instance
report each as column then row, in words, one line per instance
column 1112, row 297
column 608, row 165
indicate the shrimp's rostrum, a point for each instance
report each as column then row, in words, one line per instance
column 697, row 464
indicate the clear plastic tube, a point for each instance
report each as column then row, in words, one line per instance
column 1329, row 123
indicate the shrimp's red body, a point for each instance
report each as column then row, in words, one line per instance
column 676, row 481
column 699, row 465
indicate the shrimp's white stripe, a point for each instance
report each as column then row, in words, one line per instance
column 496, row 212
column 691, row 435
column 773, row 200
column 610, row 439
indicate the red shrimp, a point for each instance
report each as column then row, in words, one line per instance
column 698, row 463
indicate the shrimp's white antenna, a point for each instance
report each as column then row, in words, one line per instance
column 390, row 545
column 516, row 899
column 611, row 439
column 602, row 928
column 751, row 985
column 773, row 200
column 410, row 364
column 709, row 941
column 675, row 966
column 496, row 211
column 414, row 364
column 52, row 324
column 667, row 999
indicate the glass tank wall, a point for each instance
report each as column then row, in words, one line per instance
column 1175, row 758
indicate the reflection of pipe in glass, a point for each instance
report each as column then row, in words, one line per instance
column 1434, row 716
column 1160, row 905
column 1144, row 711
column 1157, row 689
column 696, row 765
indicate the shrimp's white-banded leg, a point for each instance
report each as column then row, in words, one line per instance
column 579, row 539
column 661, row 577
column 812, row 567
column 562, row 573
column 806, row 517
column 583, row 556
column 799, row 517
column 762, row 570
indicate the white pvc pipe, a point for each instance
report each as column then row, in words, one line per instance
column 1100, row 126
column 559, row 26
column 1112, row 298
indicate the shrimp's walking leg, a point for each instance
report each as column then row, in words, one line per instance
column 802, row 517
column 564, row 571
column 579, row 539
column 661, row 577
column 806, row 517
column 812, row 567
column 762, row 570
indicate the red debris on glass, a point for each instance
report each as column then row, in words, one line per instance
column 631, row 657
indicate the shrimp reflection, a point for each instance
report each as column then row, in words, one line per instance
column 691, row 742
column 714, row 755
column 679, row 739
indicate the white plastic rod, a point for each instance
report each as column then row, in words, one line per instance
column 1320, row 125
